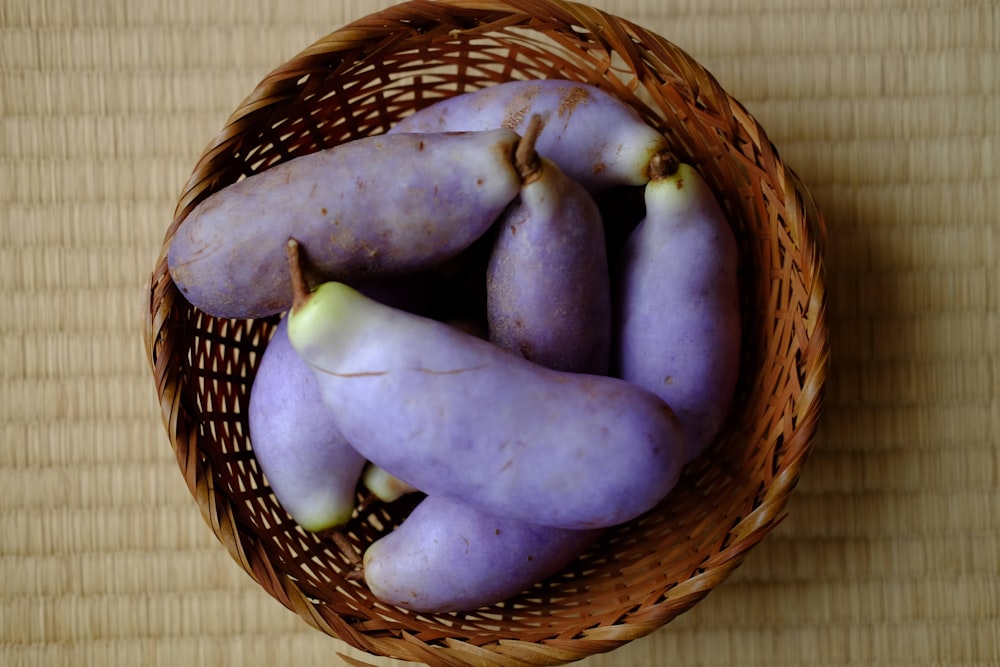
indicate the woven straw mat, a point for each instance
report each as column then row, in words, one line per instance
column 888, row 109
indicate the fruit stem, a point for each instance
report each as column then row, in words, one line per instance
column 300, row 290
column 663, row 165
column 357, row 571
column 346, row 548
column 526, row 159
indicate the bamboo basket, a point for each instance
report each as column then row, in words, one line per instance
column 358, row 81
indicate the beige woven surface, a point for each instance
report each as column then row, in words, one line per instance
column 889, row 110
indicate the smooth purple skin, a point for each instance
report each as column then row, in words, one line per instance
column 597, row 139
column 548, row 299
column 310, row 466
column 447, row 556
column 677, row 297
column 454, row 415
column 548, row 287
column 376, row 206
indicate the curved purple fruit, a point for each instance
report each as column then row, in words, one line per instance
column 548, row 300
column 373, row 206
column 447, row 556
column 311, row 468
column 457, row 416
column 595, row 137
column 678, row 321
column 548, row 288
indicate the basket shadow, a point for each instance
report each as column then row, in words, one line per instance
column 840, row 505
column 862, row 288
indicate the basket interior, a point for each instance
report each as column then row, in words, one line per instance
column 358, row 81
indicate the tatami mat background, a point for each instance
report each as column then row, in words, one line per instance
column 888, row 109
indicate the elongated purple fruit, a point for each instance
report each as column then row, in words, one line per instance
column 548, row 287
column 677, row 297
column 548, row 298
column 311, row 468
column 457, row 416
column 597, row 139
column 373, row 206
column 447, row 556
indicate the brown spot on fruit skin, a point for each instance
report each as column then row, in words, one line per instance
column 517, row 108
column 574, row 98
column 514, row 117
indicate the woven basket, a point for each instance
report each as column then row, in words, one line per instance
column 358, row 81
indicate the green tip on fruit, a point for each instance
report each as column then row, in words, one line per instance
column 326, row 520
column 384, row 485
column 321, row 314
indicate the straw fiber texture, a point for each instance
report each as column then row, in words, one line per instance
column 358, row 81
column 889, row 549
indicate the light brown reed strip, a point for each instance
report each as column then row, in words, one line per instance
column 354, row 662
column 535, row 653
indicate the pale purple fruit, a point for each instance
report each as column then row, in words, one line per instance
column 677, row 300
column 310, row 466
column 383, row 205
column 446, row 556
column 548, row 288
column 595, row 137
column 457, row 416
column 548, row 300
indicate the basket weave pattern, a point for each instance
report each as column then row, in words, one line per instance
column 358, row 81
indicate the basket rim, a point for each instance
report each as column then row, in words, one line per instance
column 270, row 93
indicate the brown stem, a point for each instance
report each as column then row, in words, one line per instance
column 663, row 165
column 346, row 548
column 526, row 159
column 300, row 289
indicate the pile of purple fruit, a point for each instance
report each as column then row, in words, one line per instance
column 516, row 303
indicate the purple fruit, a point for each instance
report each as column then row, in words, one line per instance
column 446, row 556
column 548, row 287
column 593, row 136
column 375, row 206
column 309, row 465
column 548, row 300
column 457, row 416
column 677, row 299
